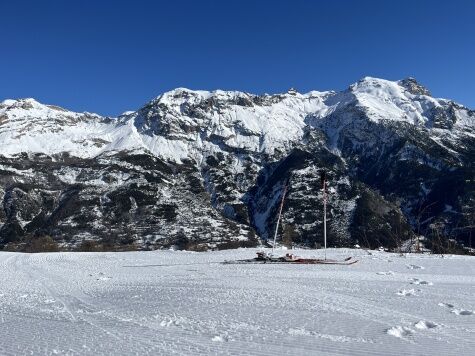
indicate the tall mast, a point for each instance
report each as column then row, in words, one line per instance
column 324, row 183
column 278, row 218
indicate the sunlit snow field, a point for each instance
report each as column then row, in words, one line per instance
column 167, row 302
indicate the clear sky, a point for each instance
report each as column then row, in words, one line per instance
column 112, row 56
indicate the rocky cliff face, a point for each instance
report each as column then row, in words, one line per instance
column 197, row 170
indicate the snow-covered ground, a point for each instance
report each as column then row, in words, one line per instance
column 167, row 302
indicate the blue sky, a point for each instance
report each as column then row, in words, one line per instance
column 112, row 56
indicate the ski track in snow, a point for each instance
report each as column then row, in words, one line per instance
column 186, row 303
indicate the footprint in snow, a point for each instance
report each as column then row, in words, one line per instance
column 425, row 325
column 418, row 281
column 219, row 338
column 414, row 267
column 399, row 331
column 388, row 273
column 406, row 292
column 462, row 312
column 456, row 311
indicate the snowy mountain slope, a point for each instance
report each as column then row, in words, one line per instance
column 28, row 126
column 389, row 148
column 120, row 201
column 196, row 123
column 167, row 126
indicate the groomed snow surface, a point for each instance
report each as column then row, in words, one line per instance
column 170, row 302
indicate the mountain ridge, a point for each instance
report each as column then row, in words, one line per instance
column 387, row 146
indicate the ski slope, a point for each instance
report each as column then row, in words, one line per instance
column 171, row 302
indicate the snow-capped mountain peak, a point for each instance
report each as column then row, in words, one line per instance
column 29, row 126
column 411, row 85
column 408, row 101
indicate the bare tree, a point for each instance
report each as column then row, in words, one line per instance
column 422, row 208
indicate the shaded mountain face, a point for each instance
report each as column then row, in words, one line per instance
column 198, row 170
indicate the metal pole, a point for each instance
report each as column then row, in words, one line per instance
column 278, row 218
column 325, row 217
